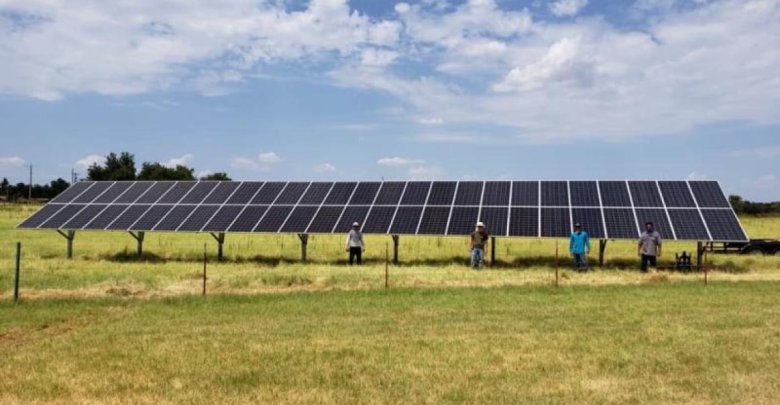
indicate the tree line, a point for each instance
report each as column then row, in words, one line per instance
column 742, row 206
column 122, row 167
column 115, row 167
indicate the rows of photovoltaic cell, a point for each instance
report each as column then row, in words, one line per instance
column 614, row 209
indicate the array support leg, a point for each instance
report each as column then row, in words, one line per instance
column 139, row 237
column 602, row 249
column 69, row 236
column 699, row 255
column 220, row 238
column 304, row 243
column 395, row 248
column 492, row 251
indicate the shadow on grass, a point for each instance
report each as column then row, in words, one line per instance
column 525, row 262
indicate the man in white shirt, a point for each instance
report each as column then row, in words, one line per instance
column 355, row 244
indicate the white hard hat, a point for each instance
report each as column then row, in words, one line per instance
column 355, row 224
column 480, row 223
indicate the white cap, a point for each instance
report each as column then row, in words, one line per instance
column 480, row 223
column 355, row 224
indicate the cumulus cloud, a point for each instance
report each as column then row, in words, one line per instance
column 12, row 161
column 567, row 8
column 423, row 172
column 398, row 161
column 182, row 160
column 263, row 162
column 89, row 160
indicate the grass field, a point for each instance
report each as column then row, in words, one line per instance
column 109, row 328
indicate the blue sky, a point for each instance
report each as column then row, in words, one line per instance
column 434, row 89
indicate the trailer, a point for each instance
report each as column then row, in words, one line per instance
column 753, row 247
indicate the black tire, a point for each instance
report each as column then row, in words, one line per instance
column 753, row 251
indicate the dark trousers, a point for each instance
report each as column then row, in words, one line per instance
column 355, row 253
column 647, row 260
column 580, row 261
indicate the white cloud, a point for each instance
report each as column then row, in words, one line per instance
column 325, row 168
column 268, row 158
column 203, row 174
column 431, row 121
column 182, row 160
column 559, row 63
column 90, row 160
column 696, row 176
column 264, row 162
column 567, row 8
column 12, row 161
column 398, row 161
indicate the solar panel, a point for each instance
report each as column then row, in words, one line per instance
column 248, row 218
column 723, row 225
column 621, row 223
column 584, row 194
column 607, row 209
column 463, row 220
column 365, row 193
column 556, row 222
column 645, row 194
column 555, row 194
column 93, row 192
column 292, row 193
column 316, row 193
column 352, row 214
column 341, row 193
column 406, row 220
column 708, row 194
column 325, row 220
column 614, row 194
column 590, row 219
column 495, row 219
column 379, row 219
column 274, row 218
column 268, row 193
column 221, row 221
column 113, row 192
column 416, row 193
column 659, row 219
column 390, row 193
column 524, row 222
column 525, row 193
column 244, row 192
column 72, row 192
column 222, row 192
column 496, row 193
column 442, row 193
column 150, row 218
column 688, row 224
column 134, row 192
column 676, row 194
column 470, row 193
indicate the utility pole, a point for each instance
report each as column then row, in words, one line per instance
column 29, row 189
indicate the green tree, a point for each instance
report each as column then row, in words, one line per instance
column 115, row 167
column 737, row 203
column 221, row 176
column 157, row 171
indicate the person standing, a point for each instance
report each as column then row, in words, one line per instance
column 579, row 246
column 478, row 242
column 649, row 246
column 355, row 245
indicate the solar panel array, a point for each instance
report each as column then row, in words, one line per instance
column 683, row 210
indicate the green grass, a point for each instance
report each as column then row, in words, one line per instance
column 613, row 344
column 109, row 328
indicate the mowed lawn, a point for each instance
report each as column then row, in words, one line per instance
column 664, row 342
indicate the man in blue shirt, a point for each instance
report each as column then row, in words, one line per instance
column 579, row 246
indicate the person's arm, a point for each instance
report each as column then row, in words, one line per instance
column 639, row 248
column 659, row 245
column 362, row 242
column 571, row 244
column 471, row 243
column 587, row 243
column 346, row 245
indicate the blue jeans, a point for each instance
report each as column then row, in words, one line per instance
column 580, row 261
column 477, row 257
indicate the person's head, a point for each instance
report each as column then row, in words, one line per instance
column 356, row 226
column 577, row 227
column 649, row 226
column 480, row 226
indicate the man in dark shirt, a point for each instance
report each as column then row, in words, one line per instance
column 478, row 243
